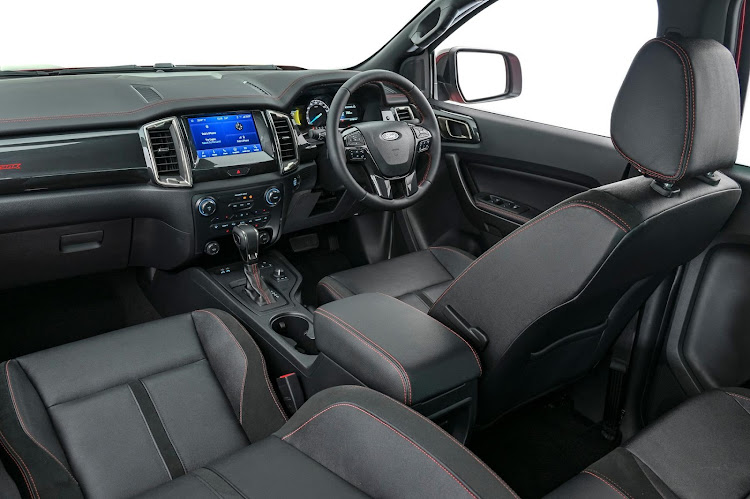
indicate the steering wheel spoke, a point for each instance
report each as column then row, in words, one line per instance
column 388, row 151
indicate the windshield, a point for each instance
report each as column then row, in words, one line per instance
column 319, row 34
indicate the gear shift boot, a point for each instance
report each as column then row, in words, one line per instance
column 247, row 241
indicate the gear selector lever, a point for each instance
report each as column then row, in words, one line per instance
column 247, row 240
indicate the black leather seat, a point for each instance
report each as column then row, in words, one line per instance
column 699, row 450
column 183, row 407
column 416, row 278
column 575, row 275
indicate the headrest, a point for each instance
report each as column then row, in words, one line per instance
column 678, row 111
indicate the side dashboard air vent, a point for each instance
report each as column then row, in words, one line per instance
column 165, row 153
column 285, row 140
column 404, row 113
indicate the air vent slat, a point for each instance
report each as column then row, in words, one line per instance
column 287, row 147
column 165, row 153
column 404, row 113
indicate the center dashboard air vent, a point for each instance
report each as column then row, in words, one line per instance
column 165, row 153
column 285, row 140
column 404, row 113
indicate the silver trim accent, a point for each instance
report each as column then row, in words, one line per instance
column 408, row 109
column 185, row 178
column 289, row 165
column 442, row 120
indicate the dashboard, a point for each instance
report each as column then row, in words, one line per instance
column 153, row 170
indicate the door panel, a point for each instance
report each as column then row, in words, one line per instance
column 504, row 172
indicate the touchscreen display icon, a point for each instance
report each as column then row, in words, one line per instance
column 224, row 135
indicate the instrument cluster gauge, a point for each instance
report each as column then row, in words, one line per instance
column 317, row 113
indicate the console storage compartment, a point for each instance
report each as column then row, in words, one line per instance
column 395, row 348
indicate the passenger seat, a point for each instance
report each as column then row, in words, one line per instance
column 183, row 408
column 699, row 450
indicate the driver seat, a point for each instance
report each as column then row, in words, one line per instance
column 545, row 304
column 416, row 278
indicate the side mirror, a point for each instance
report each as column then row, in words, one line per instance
column 476, row 75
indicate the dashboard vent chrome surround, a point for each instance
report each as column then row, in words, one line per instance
column 404, row 113
column 285, row 140
column 166, row 154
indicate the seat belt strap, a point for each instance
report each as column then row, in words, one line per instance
column 617, row 381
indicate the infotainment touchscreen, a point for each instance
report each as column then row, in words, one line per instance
column 224, row 135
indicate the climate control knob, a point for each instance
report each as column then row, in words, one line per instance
column 207, row 206
column 273, row 196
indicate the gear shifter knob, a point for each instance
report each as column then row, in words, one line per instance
column 247, row 240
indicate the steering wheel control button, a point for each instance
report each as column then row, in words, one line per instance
column 421, row 132
column 423, row 145
column 356, row 154
column 212, row 248
column 354, row 139
column 273, row 196
column 238, row 172
column 207, row 206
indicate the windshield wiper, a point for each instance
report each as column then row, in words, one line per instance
column 156, row 68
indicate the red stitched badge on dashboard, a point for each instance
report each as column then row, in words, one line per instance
column 12, row 166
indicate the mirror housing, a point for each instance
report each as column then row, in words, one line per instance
column 487, row 75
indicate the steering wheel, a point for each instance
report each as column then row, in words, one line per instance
column 388, row 150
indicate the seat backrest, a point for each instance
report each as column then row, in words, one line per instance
column 553, row 295
column 126, row 411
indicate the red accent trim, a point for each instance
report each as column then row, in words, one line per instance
column 11, row 166
column 286, row 375
column 742, row 32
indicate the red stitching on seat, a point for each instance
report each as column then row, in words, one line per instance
column 414, row 444
column 474, row 352
column 681, row 169
column 262, row 361
column 403, row 376
column 610, row 483
column 16, row 457
column 329, row 288
column 737, row 395
column 692, row 95
column 605, row 209
column 23, row 424
column 519, row 231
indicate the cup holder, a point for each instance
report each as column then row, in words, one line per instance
column 298, row 329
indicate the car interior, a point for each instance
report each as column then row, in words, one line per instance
column 271, row 281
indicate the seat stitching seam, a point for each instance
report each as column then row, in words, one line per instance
column 244, row 356
column 677, row 174
column 476, row 356
column 456, row 442
column 692, row 94
column 605, row 209
column 262, row 361
column 409, row 440
column 207, row 485
column 16, row 458
column 81, row 397
column 23, row 425
column 403, row 376
column 516, row 233
column 329, row 288
column 338, row 283
column 151, row 434
column 611, row 483
column 225, row 480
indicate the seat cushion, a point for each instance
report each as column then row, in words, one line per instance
column 416, row 278
column 347, row 442
column 120, row 413
column 701, row 449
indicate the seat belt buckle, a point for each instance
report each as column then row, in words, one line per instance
column 291, row 393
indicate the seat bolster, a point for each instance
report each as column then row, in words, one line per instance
column 240, row 368
column 29, row 448
column 387, row 449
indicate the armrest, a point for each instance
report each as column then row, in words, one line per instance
column 394, row 348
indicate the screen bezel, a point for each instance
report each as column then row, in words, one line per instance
column 244, row 159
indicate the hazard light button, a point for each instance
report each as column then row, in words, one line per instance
column 238, row 172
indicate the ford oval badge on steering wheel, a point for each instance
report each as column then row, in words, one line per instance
column 390, row 135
